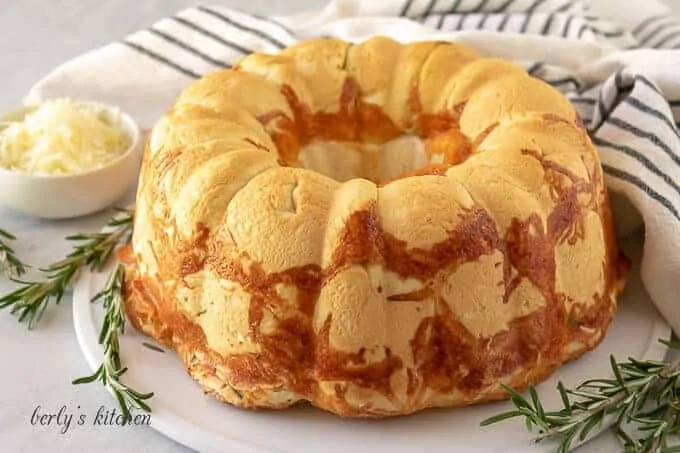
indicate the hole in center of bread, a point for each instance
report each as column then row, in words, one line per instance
column 343, row 161
column 358, row 139
column 403, row 156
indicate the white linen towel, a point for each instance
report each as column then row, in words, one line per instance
column 614, row 60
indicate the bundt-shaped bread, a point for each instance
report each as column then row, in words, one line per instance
column 374, row 228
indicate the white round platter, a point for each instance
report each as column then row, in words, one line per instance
column 183, row 413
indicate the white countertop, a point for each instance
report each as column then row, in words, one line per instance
column 38, row 366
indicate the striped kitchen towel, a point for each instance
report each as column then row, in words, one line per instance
column 615, row 60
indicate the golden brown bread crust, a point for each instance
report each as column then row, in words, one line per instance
column 375, row 228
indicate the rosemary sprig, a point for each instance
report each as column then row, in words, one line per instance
column 10, row 264
column 31, row 298
column 111, row 369
column 641, row 403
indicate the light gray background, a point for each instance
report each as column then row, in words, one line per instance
column 36, row 367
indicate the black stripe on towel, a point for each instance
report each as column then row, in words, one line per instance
column 428, row 8
column 637, row 182
column 586, row 101
column 667, row 38
column 461, row 18
column 161, row 59
column 504, row 22
column 188, row 48
column 644, row 108
column 564, row 7
column 548, row 23
column 650, row 85
column 672, row 102
column 209, row 34
column 525, row 23
column 663, row 26
column 503, row 7
column 405, row 8
column 608, row 34
column 567, row 23
column 241, row 26
column 641, row 159
column 589, row 120
column 461, row 21
column 454, row 7
column 602, row 112
column 564, row 80
column 440, row 21
column 645, row 81
column 533, row 6
column 620, row 84
column 479, row 8
column 534, row 68
column 651, row 138
column 598, row 31
column 642, row 25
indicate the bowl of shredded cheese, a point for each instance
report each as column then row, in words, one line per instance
column 64, row 158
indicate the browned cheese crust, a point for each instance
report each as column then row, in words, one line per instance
column 291, row 252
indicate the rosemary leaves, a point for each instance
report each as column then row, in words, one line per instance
column 111, row 369
column 641, row 403
column 10, row 264
column 31, row 298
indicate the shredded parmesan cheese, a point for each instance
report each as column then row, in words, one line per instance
column 63, row 137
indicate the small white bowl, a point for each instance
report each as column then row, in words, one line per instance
column 68, row 196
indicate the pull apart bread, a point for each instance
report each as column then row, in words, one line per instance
column 373, row 228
